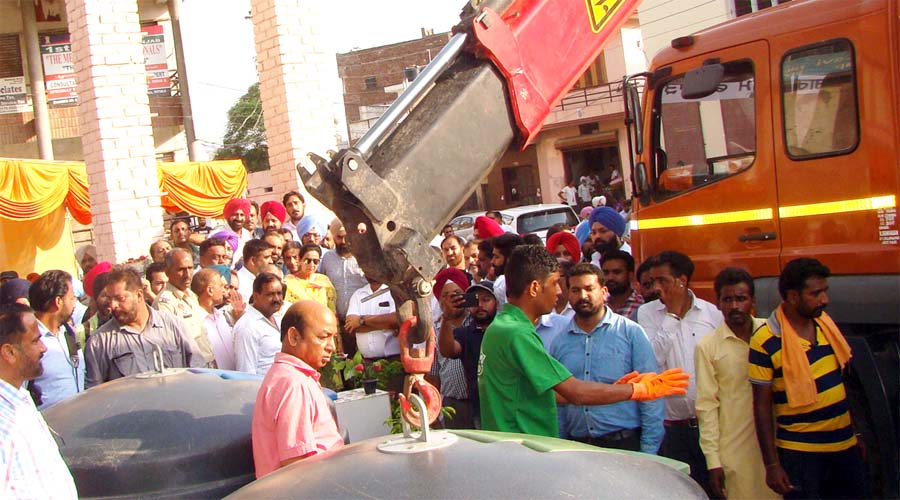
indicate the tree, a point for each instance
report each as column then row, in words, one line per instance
column 245, row 136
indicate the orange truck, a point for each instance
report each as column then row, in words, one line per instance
column 775, row 136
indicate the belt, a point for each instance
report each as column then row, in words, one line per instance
column 688, row 422
column 609, row 437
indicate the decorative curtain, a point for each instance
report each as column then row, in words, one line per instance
column 201, row 188
column 32, row 189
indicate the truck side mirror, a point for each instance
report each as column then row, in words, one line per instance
column 640, row 181
column 703, row 81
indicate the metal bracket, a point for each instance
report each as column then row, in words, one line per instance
column 426, row 440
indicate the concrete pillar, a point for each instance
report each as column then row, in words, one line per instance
column 299, row 86
column 116, row 134
column 36, row 78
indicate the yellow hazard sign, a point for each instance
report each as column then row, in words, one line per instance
column 601, row 11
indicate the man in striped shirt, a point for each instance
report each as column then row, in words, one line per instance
column 811, row 450
column 30, row 463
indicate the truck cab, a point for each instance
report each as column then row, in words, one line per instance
column 775, row 136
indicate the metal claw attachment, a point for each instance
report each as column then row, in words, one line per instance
column 417, row 362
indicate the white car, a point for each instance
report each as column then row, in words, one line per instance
column 528, row 219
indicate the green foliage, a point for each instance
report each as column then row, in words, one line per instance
column 348, row 373
column 245, row 136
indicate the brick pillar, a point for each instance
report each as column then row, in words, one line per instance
column 116, row 134
column 299, row 86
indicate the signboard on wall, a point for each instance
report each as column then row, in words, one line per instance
column 13, row 94
column 158, row 81
column 59, row 70
column 13, row 97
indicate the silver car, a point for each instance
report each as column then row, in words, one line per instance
column 523, row 220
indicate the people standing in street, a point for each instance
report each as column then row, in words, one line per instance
column 674, row 324
column 177, row 299
column 291, row 417
column 568, row 195
column 257, row 255
column 724, row 398
column 209, row 287
column 53, row 300
column 810, row 448
column 618, row 269
column 518, row 380
column 607, row 229
column 599, row 345
column 256, row 334
column 126, row 344
column 29, row 457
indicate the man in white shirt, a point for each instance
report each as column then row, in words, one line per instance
column 257, row 255
column 568, row 194
column 209, row 286
column 675, row 323
column 584, row 191
column 257, row 335
column 29, row 457
column 374, row 322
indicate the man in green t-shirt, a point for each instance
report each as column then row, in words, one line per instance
column 519, row 382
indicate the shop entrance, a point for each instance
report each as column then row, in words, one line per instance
column 601, row 164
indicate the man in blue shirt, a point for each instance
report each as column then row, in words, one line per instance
column 599, row 345
column 53, row 299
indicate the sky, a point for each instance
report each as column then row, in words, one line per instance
column 219, row 51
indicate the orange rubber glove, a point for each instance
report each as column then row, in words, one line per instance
column 628, row 378
column 650, row 386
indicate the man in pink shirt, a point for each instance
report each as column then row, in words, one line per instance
column 291, row 420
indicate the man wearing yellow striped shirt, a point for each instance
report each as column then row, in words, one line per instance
column 796, row 363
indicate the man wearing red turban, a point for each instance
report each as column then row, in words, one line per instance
column 485, row 228
column 272, row 214
column 564, row 245
column 235, row 213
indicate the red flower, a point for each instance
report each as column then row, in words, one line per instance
column 377, row 368
column 359, row 367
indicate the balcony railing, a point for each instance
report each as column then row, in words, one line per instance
column 582, row 98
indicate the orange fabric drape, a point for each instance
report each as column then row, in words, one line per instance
column 79, row 199
column 32, row 189
column 201, row 188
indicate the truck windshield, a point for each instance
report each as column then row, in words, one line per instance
column 698, row 141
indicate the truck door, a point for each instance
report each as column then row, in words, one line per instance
column 712, row 177
column 836, row 155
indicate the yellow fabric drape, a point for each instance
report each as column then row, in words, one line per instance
column 37, row 245
column 201, row 188
column 32, row 189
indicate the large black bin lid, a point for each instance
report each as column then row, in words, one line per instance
column 183, row 434
column 482, row 465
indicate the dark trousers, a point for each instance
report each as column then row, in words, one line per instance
column 839, row 474
column 628, row 439
column 463, row 417
column 683, row 443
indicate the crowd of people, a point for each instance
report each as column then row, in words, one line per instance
column 565, row 337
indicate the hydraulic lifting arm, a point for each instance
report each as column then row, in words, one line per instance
column 505, row 68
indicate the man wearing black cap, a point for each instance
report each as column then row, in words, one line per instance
column 8, row 275
column 14, row 291
column 465, row 343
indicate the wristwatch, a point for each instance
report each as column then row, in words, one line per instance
column 362, row 320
